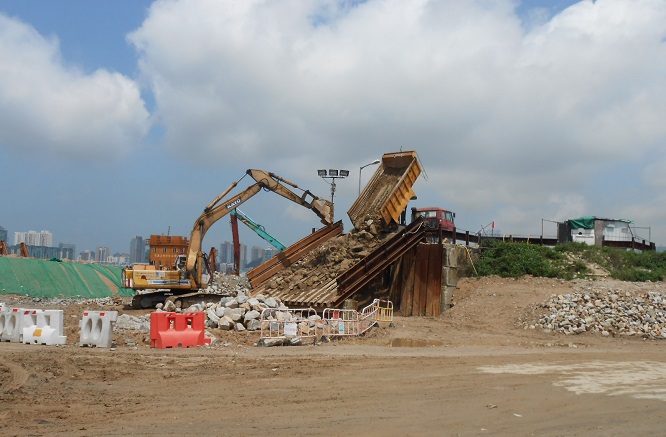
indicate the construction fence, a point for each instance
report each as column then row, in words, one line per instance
column 304, row 323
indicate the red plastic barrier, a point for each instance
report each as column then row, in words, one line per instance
column 168, row 330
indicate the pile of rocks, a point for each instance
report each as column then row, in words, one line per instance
column 228, row 284
column 239, row 313
column 133, row 323
column 604, row 311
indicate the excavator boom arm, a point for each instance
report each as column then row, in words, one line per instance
column 258, row 229
column 220, row 208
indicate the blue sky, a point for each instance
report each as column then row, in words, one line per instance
column 127, row 118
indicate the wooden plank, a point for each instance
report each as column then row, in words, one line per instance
column 433, row 305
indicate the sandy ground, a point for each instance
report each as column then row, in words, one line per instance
column 473, row 371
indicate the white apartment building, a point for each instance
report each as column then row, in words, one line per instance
column 34, row 238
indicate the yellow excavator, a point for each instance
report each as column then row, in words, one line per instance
column 155, row 286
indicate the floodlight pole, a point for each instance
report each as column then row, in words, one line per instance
column 332, row 174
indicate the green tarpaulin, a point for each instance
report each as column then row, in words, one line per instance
column 52, row 278
column 583, row 222
column 587, row 222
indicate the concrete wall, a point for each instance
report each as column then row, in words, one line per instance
column 456, row 262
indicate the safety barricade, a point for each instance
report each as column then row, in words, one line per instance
column 11, row 325
column 169, row 330
column 288, row 323
column 340, row 322
column 43, row 327
column 378, row 311
column 384, row 310
column 97, row 328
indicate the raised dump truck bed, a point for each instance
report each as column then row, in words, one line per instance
column 388, row 192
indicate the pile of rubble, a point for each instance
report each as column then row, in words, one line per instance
column 328, row 261
column 605, row 311
column 238, row 313
column 228, row 285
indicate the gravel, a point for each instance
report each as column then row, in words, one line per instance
column 603, row 311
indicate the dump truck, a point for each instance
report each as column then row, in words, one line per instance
column 155, row 286
column 385, row 197
column 435, row 217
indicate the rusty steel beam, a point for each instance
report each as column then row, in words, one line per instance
column 293, row 253
column 629, row 244
column 369, row 267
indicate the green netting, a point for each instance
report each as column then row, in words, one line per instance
column 42, row 278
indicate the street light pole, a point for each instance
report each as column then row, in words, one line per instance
column 375, row 162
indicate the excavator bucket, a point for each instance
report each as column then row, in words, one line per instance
column 388, row 192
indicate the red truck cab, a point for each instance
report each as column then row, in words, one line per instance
column 434, row 217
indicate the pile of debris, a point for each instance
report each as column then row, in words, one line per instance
column 228, row 285
column 605, row 311
column 328, row 261
column 238, row 313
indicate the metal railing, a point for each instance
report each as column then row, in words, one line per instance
column 304, row 322
column 289, row 323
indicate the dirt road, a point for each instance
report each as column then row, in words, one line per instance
column 474, row 371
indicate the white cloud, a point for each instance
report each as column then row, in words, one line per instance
column 48, row 106
column 505, row 115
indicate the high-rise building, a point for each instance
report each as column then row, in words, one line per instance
column 34, row 238
column 46, row 239
column 227, row 252
column 243, row 257
column 67, row 251
column 256, row 253
column 87, row 255
column 137, row 250
column 103, row 253
column 3, row 234
column 269, row 253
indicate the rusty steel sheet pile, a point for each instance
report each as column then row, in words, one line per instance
column 388, row 192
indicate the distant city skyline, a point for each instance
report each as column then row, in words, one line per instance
column 548, row 110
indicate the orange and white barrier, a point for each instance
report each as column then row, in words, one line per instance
column 43, row 327
column 169, row 330
column 340, row 322
column 97, row 328
column 285, row 324
column 11, row 325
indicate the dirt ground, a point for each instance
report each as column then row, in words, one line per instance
column 476, row 370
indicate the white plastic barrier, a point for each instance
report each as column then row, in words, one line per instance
column 11, row 325
column 43, row 327
column 97, row 328
column 288, row 323
column 340, row 322
column 4, row 315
